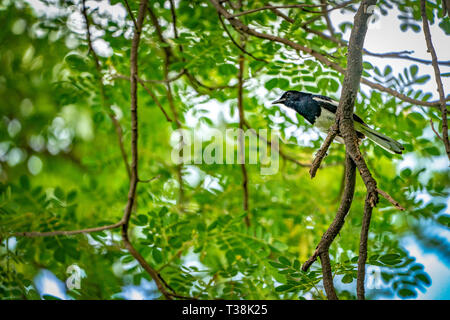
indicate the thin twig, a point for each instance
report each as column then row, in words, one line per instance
column 33, row 234
column 338, row 222
column 108, row 110
column 150, row 180
column 434, row 130
column 150, row 92
column 130, row 13
column 323, row 149
column 235, row 43
column 394, row 202
column 327, row 17
column 298, row 6
column 241, row 138
column 172, row 79
column 134, row 152
column 405, row 55
column 167, row 58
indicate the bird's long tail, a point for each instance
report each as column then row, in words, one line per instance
column 383, row 141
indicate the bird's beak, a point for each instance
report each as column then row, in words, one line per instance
column 279, row 101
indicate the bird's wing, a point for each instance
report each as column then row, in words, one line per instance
column 331, row 105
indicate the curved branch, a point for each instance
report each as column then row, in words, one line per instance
column 338, row 222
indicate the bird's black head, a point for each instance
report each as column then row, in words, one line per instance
column 288, row 97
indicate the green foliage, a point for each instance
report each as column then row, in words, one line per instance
column 61, row 167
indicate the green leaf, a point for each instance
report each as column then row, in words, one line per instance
column 390, row 259
column 276, row 265
column 157, row 255
column 347, row 279
column 24, row 182
column 280, row 246
column 283, row 84
column 424, row 278
column 141, row 220
column 163, row 211
column 284, row 287
column 407, row 293
column 285, row 261
column 50, row 297
column 444, row 220
column 71, row 196
column 272, row 83
column 228, row 69
column 76, row 62
column 367, row 65
column 59, row 193
column 387, row 70
column 60, row 255
column 413, row 70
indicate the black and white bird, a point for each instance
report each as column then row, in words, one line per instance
column 320, row 111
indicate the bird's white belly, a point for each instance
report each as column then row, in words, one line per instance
column 325, row 120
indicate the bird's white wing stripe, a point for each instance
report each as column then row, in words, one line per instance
column 333, row 102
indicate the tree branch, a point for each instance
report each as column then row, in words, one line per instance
column 344, row 123
column 327, row 17
column 437, row 74
column 134, row 152
column 241, row 138
column 434, row 130
column 338, row 222
column 127, row 5
column 134, row 178
column 298, row 6
column 234, row 41
column 394, row 202
column 327, row 276
column 239, row 26
column 108, row 110
column 167, row 56
column 150, row 92
column 33, row 234
column 361, row 274
column 345, row 112
column 323, row 150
